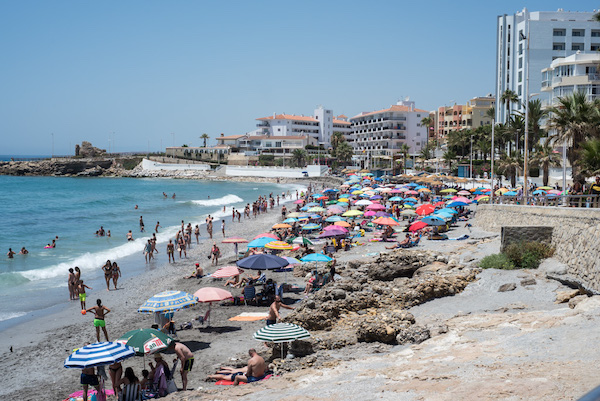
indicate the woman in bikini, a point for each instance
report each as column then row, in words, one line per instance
column 107, row 268
column 116, row 273
column 71, row 283
column 115, row 371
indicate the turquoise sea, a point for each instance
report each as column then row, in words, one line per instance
column 34, row 210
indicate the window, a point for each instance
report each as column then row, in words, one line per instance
column 519, row 91
column 558, row 46
column 418, row 143
column 578, row 32
column 577, row 46
column 520, row 48
column 277, row 144
column 520, row 76
column 521, row 36
column 559, row 32
column 595, row 33
column 595, row 47
column 521, row 62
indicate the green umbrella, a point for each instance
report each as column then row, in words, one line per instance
column 300, row 240
column 146, row 341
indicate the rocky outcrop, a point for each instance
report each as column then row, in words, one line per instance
column 84, row 167
column 87, row 150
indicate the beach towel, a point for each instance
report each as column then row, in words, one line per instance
column 249, row 317
column 230, row 383
column 79, row 394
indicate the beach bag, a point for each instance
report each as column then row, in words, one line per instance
column 171, row 386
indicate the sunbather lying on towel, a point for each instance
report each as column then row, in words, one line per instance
column 255, row 371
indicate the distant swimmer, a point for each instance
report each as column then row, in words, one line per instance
column 173, row 195
column 157, row 225
column 141, row 224
column 129, row 236
column 53, row 243
column 11, row 253
column 108, row 233
column 165, row 195
column 136, row 206
column 23, row 251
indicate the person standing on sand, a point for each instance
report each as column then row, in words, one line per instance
column 71, row 284
column 215, row 253
column 197, row 233
column 100, row 311
column 186, row 357
column 89, row 378
column 223, row 227
column 171, row 251
column 81, row 291
column 116, row 273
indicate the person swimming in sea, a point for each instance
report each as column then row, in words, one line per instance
column 11, row 254
column 23, row 251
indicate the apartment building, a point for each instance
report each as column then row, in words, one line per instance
column 457, row 117
column 550, row 35
column 575, row 73
column 382, row 133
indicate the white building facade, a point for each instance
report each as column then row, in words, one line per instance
column 575, row 73
column 320, row 126
column 382, row 133
column 550, row 35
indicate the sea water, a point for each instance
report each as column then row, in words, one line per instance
column 34, row 210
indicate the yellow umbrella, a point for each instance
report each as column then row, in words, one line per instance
column 344, row 200
column 544, row 188
column 352, row 213
column 448, row 190
column 281, row 225
column 279, row 245
column 293, row 214
column 408, row 207
column 357, row 192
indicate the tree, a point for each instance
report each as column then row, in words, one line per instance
column 515, row 130
column 509, row 166
column 427, row 122
column 205, row 137
column 535, row 115
column 336, row 139
column 491, row 113
column 404, row 149
column 544, row 158
column 344, row 152
column 508, row 98
column 449, row 157
column 299, row 157
column 425, row 155
column 575, row 120
column 590, row 158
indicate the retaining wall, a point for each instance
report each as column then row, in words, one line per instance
column 274, row 172
column 152, row 165
column 575, row 234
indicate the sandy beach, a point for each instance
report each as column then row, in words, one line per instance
column 481, row 344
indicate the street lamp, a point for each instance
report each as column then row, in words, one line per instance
column 471, row 163
column 52, row 144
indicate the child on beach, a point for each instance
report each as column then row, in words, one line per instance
column 81, row 291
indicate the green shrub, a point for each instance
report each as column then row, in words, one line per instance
column 496, row 261
column 528, row 254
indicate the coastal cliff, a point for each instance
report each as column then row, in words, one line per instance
column 63, row 167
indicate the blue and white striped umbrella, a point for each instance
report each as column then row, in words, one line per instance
column 168, row 301
column 281, row 333
column 99, row 354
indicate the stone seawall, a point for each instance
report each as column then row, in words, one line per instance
column 575, row 234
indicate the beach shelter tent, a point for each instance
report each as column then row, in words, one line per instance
column 99, row 354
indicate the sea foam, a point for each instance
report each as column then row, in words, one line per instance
column 225, row 200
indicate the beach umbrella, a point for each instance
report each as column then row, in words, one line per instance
column 440, row 204
column 316, row 209
column 510, row 193
column 302, row 241
column 370, row 213
column 417, row 225
column 424, row 189
column 168, row 301
column 448, row 210
column 333, row 219
column 382, row 214
column 386, row 221
column 448, row 190
column 376, row 197
column 342, row 200
column 412, row 192
column 411, row 199
column 322, row 197
column 279, row 245
column 376, row 206
column 292, row 261
column 554, row 192
column 281, row 225
column 352, row 213
column 227, row 271
column 145, row 341
column 456, row 204
column 315, row 257
column 461, row 199
column 330, row 190
column 342, row 224
column 501, row 191
column 293, row 215
column 98, row 354
column 464, row 193
column 396, row 199
column 290, row 220
column 363, row 202
column 262, row 262
column 310, row 227
column 281, row 333
column 444, row 215
column 260, row 242
column 234, row 240
column 482, row 198
column 537, row 192
column 545, row 188
column 425, row 209
column 210, row 295
column 408, row 212
column 270, row 235
column 333, row 233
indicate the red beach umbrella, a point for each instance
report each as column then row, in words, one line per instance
column 227, row 271
column 425, row 209
column 416, row 226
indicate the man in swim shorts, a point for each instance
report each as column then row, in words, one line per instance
column 100, row 311
column 81, row 291
column 255, row 370
column 186, row 357
column 171, row 251
column 88, row 378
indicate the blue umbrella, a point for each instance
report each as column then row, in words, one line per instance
column 262, row 262
column 410, row 199
column 375, row 197
column 311, row 204
column 333, row 219
column 539, row 192
column 290, row 220
column 259, row 242
column 510, row 193
column 316, row 257
column 434, row 221
column 311, row 226
column 456, row 204
column 168, row 301
column 396, row 199
column 99, row 354
column 329, row 190
column 444, row 215
column 448, row 210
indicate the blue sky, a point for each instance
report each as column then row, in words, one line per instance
column 82, row 70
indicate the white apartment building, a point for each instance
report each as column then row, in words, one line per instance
column 575, row 73
column 381, row 133
column 551, row 34
column 320, row 126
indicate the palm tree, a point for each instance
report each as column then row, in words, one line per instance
column 205, row 137
column 516, row 129
column 344, row 152
column 575, row 120
column 509, row 167
column 404, row 149
column 544, row 157
column 336, row 139
column 449, row 157
column 491, row 113
column 535, row 115
column 427, row 121
column 299, row 157
column 425, row 155
column 590, row 158
column 508, row 98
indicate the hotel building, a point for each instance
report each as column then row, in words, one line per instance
column 575, row 73
column 551, row 34
column 467, row 116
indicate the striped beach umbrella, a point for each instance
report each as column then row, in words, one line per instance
column 99, row 354
column 145, row 341
column 279, row 245
column 168, row 301
column 281, row 333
